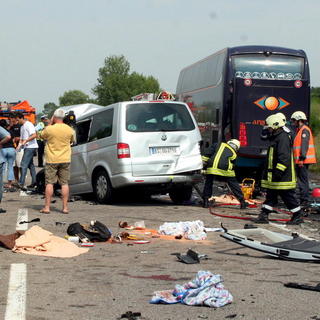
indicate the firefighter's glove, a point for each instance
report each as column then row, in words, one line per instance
column 277, row 174
column 302, row 158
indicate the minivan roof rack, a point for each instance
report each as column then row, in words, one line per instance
column 163, row 95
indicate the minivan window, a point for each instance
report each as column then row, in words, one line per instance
column 101, row 125
column 82, row 131
column 150, row 117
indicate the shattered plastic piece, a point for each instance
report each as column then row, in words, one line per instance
column 191, row 257
column 231, row 316
column 249, row 226
column 141, row 241
column 281, row 245
column 33, row 220
column 87, row 244
column 58, row 223
column 302, row 286
column 139, row 224
column 131, row 315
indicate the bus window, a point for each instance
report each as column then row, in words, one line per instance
column 274, row 67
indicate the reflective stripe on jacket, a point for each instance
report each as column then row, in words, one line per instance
column 222, row 161
column 279, row 173
column 298, row 149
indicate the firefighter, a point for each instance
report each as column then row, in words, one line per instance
column 220, row 166
column 304, row 154
column 279, row 177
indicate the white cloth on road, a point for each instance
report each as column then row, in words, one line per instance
column 192, row 230
column 206, row 289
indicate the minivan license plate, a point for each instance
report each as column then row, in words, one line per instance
column 163, row 150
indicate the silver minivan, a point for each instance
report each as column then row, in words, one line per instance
column 151, row 147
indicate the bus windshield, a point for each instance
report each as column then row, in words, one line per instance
column 274, row 67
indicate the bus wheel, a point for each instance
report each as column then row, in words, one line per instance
column 102, row 188
column 181, row 194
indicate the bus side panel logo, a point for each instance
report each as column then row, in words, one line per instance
column 271, row 103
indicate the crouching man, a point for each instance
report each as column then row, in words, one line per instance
column 220, row 167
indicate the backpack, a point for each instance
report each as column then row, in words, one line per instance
column 94, row 232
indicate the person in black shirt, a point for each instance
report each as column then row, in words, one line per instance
column 9, row 154
column 14, row 128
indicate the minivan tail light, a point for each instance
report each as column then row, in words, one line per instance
column 123, row 150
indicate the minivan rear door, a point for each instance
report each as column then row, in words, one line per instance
column 163, row 138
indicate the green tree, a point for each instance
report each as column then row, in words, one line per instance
column 315, row 92
column 138, row 83
column 49, row 108
column 115, row 83
column 72, row 97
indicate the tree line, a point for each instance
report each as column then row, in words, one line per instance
column 115, row 83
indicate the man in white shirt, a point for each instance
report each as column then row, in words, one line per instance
column 29, row 144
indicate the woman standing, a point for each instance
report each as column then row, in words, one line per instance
column 9, row 154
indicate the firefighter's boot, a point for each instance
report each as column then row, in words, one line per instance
column 262, row 218
column 243, row 204
column 296, row 218
column 205, row 203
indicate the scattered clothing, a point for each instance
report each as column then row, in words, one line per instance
column 206, row 289
column 40, row 242
column 8, row 241
column 191, row 230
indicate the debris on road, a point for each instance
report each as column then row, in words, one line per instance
column 302, row 286
column 33, row 220
column 192, row 230
column 206, row 289
column 190, row 257
column 282, row 246
column 40, row 242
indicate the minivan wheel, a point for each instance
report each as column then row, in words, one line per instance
column 102, row 187
column 180, row 194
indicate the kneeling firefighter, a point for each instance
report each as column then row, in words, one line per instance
column 279, row 177
column 220, row 166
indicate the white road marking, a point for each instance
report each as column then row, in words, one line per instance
column 16, row 303
column 22, row 216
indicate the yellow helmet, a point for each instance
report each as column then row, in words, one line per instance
column 299, row 115
column 284, row 119
column 234, row 144
column 274, row 121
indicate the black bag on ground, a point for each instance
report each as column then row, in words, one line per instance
column 95, row 231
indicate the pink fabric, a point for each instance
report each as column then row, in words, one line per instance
column 40, row 242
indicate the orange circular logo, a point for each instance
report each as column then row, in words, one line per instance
column 271, row 103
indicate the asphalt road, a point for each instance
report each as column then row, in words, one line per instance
column 112, row 279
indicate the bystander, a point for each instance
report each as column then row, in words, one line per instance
column 58, row 137
column 4, row 138
column 29, row 144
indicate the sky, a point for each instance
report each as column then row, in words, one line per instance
column 49, row 47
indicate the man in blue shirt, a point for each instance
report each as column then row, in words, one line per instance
column 4, row 137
